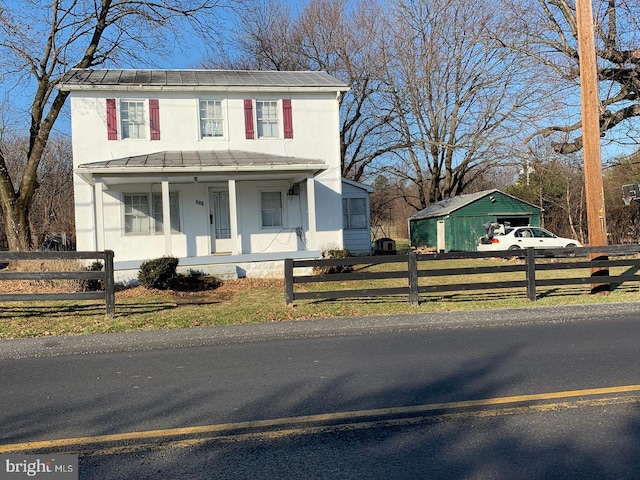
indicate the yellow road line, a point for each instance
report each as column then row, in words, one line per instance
column 344, row 427
column 328, row 417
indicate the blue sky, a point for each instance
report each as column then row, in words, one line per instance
column 190, row 57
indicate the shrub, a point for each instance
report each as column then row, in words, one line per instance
column 94, row 285
column 158, row 273
column 196, row 281
column 334, row 253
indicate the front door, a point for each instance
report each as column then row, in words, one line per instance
column 219, row 221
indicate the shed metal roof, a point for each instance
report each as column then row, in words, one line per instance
column 80, row 79
column 450, row 205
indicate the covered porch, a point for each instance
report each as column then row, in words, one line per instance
column 216, row 203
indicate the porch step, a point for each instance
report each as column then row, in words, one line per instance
column 224, row 271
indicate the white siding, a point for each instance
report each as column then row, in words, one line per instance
column 315, row 125
column 316, row 136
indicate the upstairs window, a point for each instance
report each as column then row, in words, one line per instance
column 267, row 119
column 211, row 120
column 132, row 119
column 354, row 213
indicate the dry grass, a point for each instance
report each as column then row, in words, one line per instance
column 42, row 286
column 223, row 293
column 261, row 300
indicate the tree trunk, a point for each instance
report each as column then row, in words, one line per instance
column 15, row 215
column 16, row 227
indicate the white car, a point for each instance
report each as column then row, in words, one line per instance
column 515, row 238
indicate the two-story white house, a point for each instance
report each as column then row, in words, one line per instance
column 235, row 168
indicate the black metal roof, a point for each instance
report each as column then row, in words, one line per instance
column 199, row 78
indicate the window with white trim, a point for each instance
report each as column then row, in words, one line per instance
column 211, row 119
column 354, row 213
column 143, row 213
column 132, row 123
column 267, row 118
column 271, row 209
column 136, row 214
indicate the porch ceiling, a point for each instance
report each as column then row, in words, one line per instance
column 205, row 166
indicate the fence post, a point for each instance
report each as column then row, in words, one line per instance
column 412, row 265
column 530, row 260
column 109, row 284
column 288, row 281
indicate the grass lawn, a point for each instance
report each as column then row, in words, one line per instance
column 259, row 300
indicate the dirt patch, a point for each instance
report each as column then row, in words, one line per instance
column 223, row 292
column 187, row 293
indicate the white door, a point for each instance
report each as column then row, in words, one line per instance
column 441, row 244
column 219, row 221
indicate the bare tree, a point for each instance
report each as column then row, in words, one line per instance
column 550, row 36
column 52, row 210
column 42, row 40
column 555, row 183
column 265, row 39
column 338, row 37
column 456, row 93
column 623, row 221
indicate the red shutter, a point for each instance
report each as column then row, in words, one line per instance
column 287, row 118
column 248, row 119
column 112, row 119
column 154, row 118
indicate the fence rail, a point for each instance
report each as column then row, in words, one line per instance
column 106, row 275
column 413, row 269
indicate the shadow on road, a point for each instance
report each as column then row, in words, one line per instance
column 555, row 444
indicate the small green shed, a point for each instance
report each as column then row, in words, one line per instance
column 456, row 223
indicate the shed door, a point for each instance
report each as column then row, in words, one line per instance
column 441, row 244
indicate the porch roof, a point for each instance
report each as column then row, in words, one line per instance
column 195, row 162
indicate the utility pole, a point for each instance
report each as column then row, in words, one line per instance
column 596, row 224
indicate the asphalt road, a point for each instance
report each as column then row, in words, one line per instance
column 415, row 396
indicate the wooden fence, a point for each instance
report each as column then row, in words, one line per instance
column 418, row 266
column 106, row 275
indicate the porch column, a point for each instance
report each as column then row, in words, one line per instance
column 166, row 216
column 236, row 246
column 311, row 211
column 98, row 189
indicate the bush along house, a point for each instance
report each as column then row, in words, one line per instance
column 229, row 171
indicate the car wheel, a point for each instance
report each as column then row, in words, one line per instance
column 514, row 248
column 571, row 245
